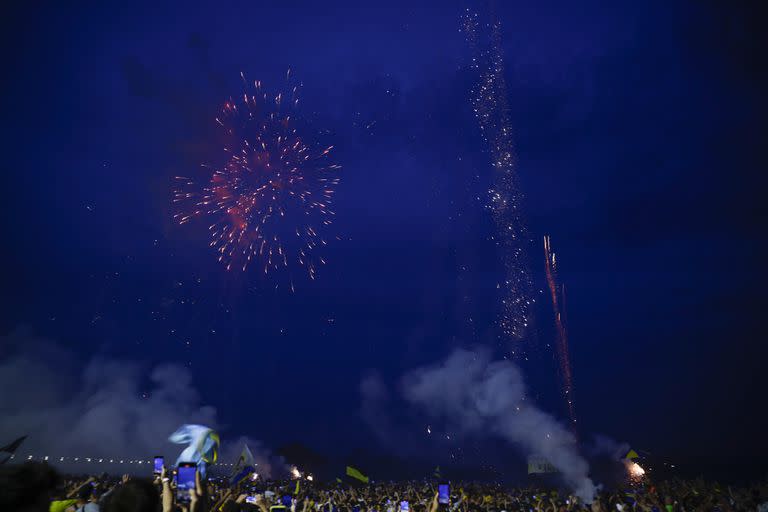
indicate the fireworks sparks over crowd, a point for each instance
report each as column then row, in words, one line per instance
column 635, row 472
column 489, row 103
column 557, row 292
column 270, row 202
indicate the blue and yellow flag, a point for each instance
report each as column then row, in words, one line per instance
column 631, row 454
column 245, row 466
column 202, row 448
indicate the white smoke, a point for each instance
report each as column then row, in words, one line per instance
column 267, row 463
column 478, row 396
column 375, row 400
column 604, row 446
column 99, row 408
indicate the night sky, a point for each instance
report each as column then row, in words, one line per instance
column 637, row 128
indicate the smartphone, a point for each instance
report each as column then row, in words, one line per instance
column 251, row 500
column 159, row 461
column 185, row 481
column 404, row 507
column 443, row 494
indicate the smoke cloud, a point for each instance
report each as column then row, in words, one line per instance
column 478, row 396
column 604, row 446
column 376, row 402
column 100, row 408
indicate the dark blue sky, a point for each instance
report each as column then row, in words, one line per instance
column 638, row 129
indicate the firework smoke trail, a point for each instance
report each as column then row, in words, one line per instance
column 563, row 356
column 271, row 201
column 489, row 103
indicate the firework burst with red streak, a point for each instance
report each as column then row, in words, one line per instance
column 270, row 202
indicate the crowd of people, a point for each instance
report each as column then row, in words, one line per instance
column 38, row 487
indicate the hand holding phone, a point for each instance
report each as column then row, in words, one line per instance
column 185, row 481
column 443, row 494
column 159, row 462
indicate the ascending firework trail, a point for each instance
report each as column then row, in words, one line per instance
column 557, row 291
column 489, row 103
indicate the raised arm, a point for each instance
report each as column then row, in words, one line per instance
column 76, row 490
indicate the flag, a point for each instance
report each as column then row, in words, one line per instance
column 203, row 447
column 10, row 449
column 245, row 466
column 356, row 474
column 631, row 454
column 437, row 474
column 338, row 480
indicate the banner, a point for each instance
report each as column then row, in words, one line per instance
column 539, row 465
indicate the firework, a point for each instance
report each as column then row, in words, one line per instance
column 489, row 103
column 557, row 292
column 635, row 472
column 269, row 203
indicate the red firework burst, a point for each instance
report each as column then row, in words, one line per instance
column 270, row 201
